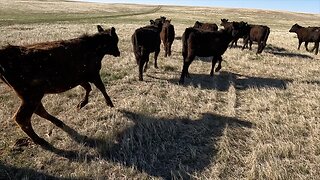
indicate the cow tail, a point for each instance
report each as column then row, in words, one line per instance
column 184, row 44
column 266, row 36
column 136, row 48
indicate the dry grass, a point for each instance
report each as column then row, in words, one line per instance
column 256, row 119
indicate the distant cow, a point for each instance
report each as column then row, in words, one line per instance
column 146, row 40
column 167, row 36
column 206, row 26
column 54, row 67
column 204, row 44
column 309, row 34
column 258, row 33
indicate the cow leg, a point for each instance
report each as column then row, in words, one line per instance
column 316, row 47
column 23, row 119
column 156, row 53
column 219, row 65
column 42, row 112
column 231, row 45
column 141, row 64
column 169, row 49
column 184, row 59
column 214, row 61
column 245, row 43
column 311, row 50
column 85, row 99
column 99, row 84
column 306, row 46
column 259, row 50
column 165, row 50
column 185, row 72
column 300, row 42
column 250, row 45
column 236, row 42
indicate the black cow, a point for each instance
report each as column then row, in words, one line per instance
column 308, row 34
column 204, row 44
column 206, row 26
column 227, row 25
column 146, row 40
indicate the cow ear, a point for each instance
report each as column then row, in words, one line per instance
column 152, row 21
column 113, row 31
column 100, row 29
column 227, row 20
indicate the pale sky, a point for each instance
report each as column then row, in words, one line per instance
column 307, row 6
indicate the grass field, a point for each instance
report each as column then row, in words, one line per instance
column 259, row 118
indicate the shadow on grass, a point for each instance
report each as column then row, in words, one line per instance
column 224, row 80
column 161, row 147
column 279, row 51
column 11, row 172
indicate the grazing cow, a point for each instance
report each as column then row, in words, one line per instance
column 258, row 33
column 206, row 26
column 204, row 44
column 309, row 34
column 167, row 36
column 146, row 40
column 54, row 67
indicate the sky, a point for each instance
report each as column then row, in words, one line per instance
column 306, row 6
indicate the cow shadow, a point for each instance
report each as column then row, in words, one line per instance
column 223, row 80
column 162, row 147
column 279, row 51
column 12, row 172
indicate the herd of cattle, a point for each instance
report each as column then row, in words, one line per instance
column 204, row 40
column 54, row 67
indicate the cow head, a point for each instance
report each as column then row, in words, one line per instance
column 156, row 23
column 295, row 27
column 223, row 21
column 197, row 24
column 110, row 40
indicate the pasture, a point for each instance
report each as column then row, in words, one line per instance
column 258, row 118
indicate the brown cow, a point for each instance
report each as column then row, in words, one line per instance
column 309, row 34
column 146, row 40
column 167, row 36
column 206, row 26
column 54, row 67
column 204, row 44
column 258, row 33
